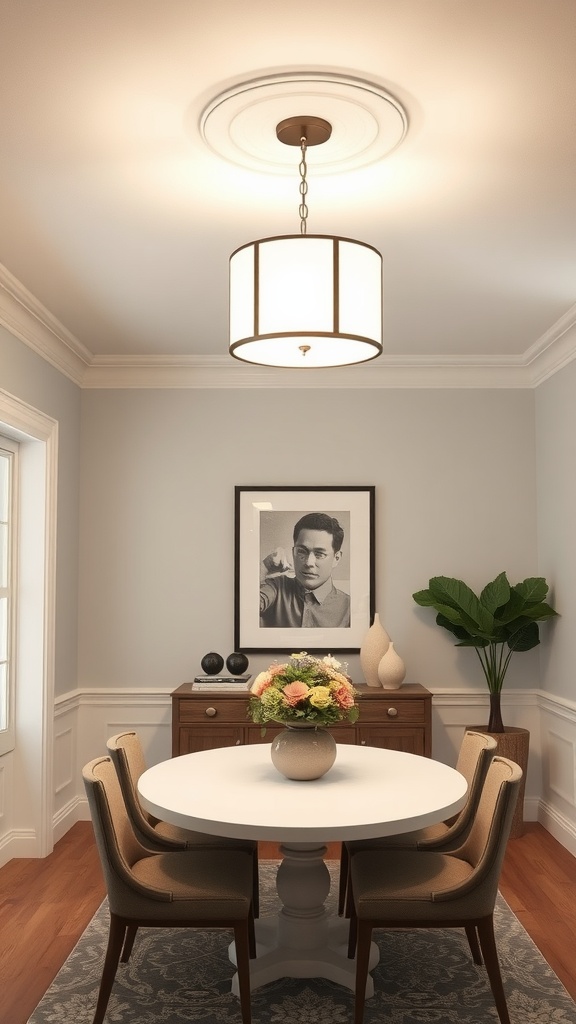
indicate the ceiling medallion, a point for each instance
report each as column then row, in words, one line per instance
column 367, row 122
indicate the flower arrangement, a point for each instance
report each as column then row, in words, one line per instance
column 303, row 689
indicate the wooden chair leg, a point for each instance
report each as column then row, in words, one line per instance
column 242, row 942
column 255, row 884
column 116, row 937
column 488, row 946
column 128, row 943
column 352, row 933
column 362, row 959
column 251, row 934
column 344, row 878
column 472, row 936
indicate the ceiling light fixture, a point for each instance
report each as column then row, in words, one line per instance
column 305, row 301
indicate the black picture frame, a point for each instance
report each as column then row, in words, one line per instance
column 264, row 517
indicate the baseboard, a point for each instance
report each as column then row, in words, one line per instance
column 558, row 826
column 532, row 808
column 18, row 843
column 75, row 810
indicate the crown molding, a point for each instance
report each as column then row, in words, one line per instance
column 386, row 372
column 28, row 320
column 554, row 350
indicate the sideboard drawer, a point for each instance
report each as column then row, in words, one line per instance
column 212, row 708
column 387, row 708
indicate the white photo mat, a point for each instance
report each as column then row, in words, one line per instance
column 265, row 517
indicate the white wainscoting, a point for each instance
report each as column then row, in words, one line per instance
column 84, row 721
column 558, row 756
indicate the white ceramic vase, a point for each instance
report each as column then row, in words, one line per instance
column 303, row 751
column 374, row 646
column 391, row 669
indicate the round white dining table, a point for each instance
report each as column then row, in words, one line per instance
column 237, row 792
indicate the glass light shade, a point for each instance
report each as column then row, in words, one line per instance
column 305, row 301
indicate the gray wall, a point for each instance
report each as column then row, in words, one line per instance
column 455, row 494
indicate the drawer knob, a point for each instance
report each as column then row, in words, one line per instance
column 392, row 712
column 210, row 712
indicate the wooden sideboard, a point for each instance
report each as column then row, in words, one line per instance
column 395, row 719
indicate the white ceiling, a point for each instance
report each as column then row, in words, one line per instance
column 119, row 219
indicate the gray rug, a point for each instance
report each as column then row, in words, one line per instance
column 422, row 978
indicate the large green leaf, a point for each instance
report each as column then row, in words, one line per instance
column 513, row 608
column 456, row 594
column 452, row 627
column 533, row 589
column 539, row 611
column 525, row 638
column 496, row 594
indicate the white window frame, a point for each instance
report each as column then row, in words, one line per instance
column 10, row 449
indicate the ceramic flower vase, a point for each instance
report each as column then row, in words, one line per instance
column 374, row 646
column 303, row 752
column 391, row 669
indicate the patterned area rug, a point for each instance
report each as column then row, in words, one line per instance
column 422, row 978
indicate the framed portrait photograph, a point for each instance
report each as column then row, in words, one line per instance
column 303, row 568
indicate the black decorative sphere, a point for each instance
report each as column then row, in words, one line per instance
column 236, row 663
column 212, row 663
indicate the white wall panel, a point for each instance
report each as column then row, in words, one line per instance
column 558, row 743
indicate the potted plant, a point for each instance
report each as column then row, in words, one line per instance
column 502, row 620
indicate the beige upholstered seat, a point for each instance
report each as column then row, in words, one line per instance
column 476, row 752
column 127, row 755
column 426, row 889
column 201, row 888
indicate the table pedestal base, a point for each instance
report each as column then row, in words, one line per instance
column 304, row 940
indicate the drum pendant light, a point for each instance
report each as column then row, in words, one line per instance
column 305, row 301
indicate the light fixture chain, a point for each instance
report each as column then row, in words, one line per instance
column 303, row 209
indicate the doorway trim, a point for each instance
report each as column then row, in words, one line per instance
column 29, row 815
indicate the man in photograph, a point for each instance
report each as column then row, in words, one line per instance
column 303, row 594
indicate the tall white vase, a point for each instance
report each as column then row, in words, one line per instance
column 374, row 646
column 391, row 669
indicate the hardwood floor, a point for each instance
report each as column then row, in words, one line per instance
column 46, row 904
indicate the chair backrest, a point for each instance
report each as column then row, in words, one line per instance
column 476, row 752
column 127, row 755
column 118, row 847
column 485, row 844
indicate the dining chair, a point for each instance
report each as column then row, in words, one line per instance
column 475, row 754
column 127, row 755
column 427, row 889
column 201, row 888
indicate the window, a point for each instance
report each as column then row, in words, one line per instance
column 8, row 519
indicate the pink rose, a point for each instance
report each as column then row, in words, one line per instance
column 293, row 693
column 344, row 698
